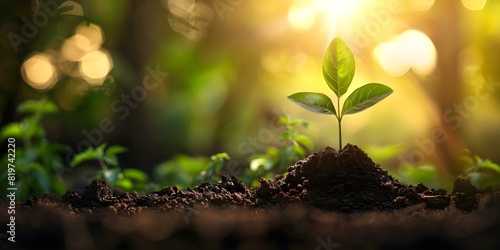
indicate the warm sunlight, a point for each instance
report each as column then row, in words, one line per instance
column 87, row 38
column 302, row 14
column 339, row 8
column 422, row 5
column 93, row 34
column 474, row 4
column 95, row 65
column 291, row 124
column 411, row 49
column 39, row 72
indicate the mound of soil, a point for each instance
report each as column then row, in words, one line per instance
column 346, row 181
column 329, row 200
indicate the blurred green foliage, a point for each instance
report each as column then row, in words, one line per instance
column 223, row 86
column 37, row 160
column 127, row 179
column 482, row 173
column 276, row 160
column 405, row 172
column 187, row 171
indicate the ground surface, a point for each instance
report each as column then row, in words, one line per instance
column 330, row 200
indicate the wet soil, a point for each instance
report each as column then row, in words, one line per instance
column 330, row 200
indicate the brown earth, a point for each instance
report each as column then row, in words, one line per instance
column 330, row 200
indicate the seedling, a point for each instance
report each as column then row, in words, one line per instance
column 186, row 171
column 338, row 71
column 297, row 146
column 481, row 172
column 277, row 160
column 128, row 179
column 37, row 161
column 214, row 167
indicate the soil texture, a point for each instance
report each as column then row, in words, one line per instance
column 330, row 200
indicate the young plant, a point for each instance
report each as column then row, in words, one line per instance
column 128, row 179
column 37, row 160
column 186, row 171
column 214, row 167
column 481, row 172
column 277, row 160
column 338, row 71
column 180, row 171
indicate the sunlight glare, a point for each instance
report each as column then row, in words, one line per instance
column 95, row 66
column 301, row 15
column 181, row 8
column 339, row 8
column 389, row 56
column 474, row 4
column 411, row 49
column 422, row 5
column 39, row 72
column 73, row 48
column 92, row 33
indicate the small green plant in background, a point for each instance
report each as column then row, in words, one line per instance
column 127, row 179
column 481, row 172
column 213, row 168
column 404, row 171
column 338, row 71
column 426, row 174
column 277, row 160
column 37, row 159
column 186, row 171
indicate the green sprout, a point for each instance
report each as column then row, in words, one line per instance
column 128, row 179
column 276, row 160
column 37, row 160
column 481, row 172
column 338, row 71
column 186, row 171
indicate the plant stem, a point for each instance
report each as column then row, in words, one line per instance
column 340, row 134
column 102, row 164
column 339, row 118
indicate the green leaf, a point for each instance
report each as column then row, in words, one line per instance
column 220, row 156
column 37, row 107
column 285, row 120
column 488, row 164
column 41, row 176
column 109, row 155
column 305, row 141
column 100, row 149
column 87, row 155
column 424, row 174
column 299, row 151
column 288, row 135
column 365, row 97
column 57, row 186
column 135, row 174
column 384, row 152
column 124, row 184
column 216, row 163
column 111, row 160
column 32, row 128
column 483, row 180
column 11, row 130
column 315, row 102
column 338, row 67
column 260, row 161
column 115, row 149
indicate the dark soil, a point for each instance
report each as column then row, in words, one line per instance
column 331, row 200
